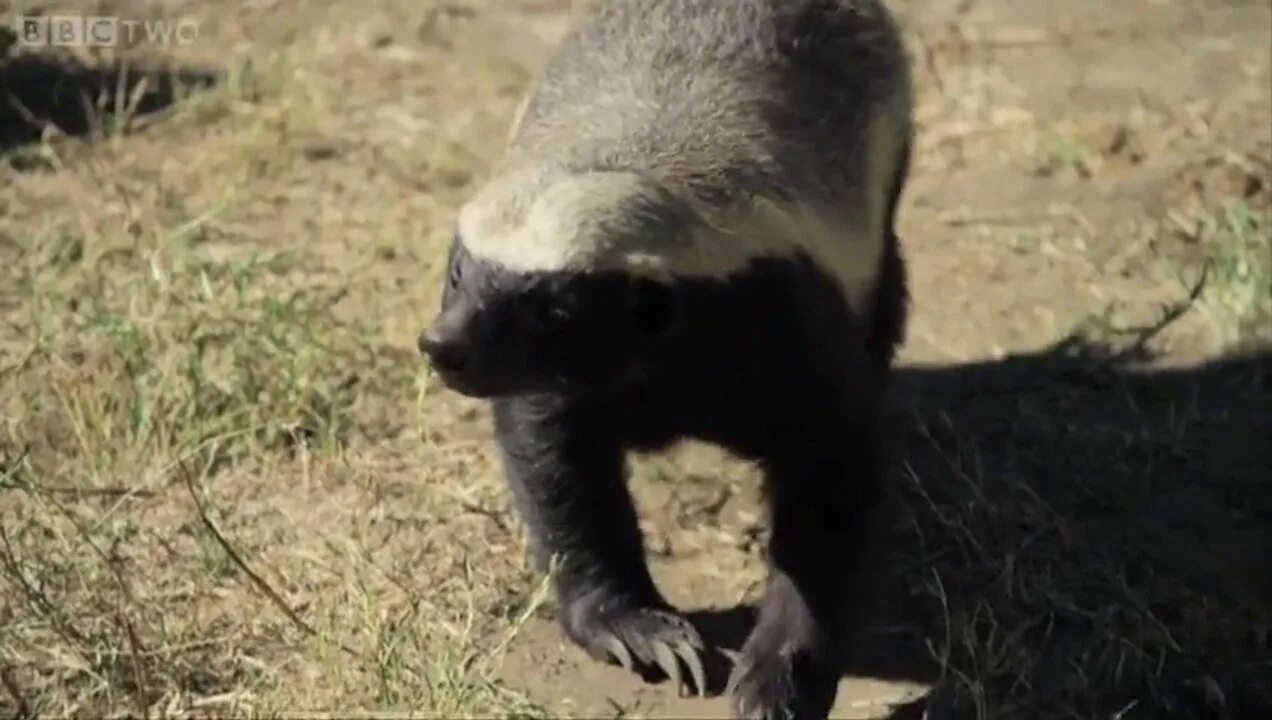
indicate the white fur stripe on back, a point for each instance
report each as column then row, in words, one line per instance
column 615, row 221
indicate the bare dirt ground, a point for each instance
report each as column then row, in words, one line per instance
column 228, row 485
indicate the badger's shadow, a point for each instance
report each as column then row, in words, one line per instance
column 1119, row 455
column 41, row 90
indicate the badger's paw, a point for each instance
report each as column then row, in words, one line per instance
column 648, row 641
column 762, row 688
column 771, row 681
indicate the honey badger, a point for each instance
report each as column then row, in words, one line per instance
column 692, row 236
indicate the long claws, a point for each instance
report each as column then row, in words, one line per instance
column 694, row 663
column 667, row 661
column 735, row 677
column 691, row 637
column 762, row 687
column 619, row 652
column 654, row 639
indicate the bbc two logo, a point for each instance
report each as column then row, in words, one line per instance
column 101, row 31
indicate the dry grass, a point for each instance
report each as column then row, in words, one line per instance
column 1092, row 538
column 229, row 299
column 228, row 486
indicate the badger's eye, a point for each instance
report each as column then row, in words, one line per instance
column 543, row 312
column 551, row 314
column 454, row 261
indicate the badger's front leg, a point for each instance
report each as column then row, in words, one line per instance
column 823, row 490
column 566, row 474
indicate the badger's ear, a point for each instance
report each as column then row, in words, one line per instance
column 454, row 266
column 653, row 307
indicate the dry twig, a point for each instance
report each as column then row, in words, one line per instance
column 257, row 581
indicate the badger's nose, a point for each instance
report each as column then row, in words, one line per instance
column 446, row 355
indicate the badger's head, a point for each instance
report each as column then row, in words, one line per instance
column 561, row 282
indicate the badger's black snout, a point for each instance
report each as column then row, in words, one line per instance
column 449, row 355
column 458, row 349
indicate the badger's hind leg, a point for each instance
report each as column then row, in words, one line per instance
column 823, row 490
column 566, row 475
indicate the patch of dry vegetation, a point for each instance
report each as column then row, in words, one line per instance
column 222, row 308
column 1092, row 539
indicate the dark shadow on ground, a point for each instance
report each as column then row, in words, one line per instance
column 1074, row 537
column 45, row 89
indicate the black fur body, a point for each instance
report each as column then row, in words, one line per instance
column 773, row 362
